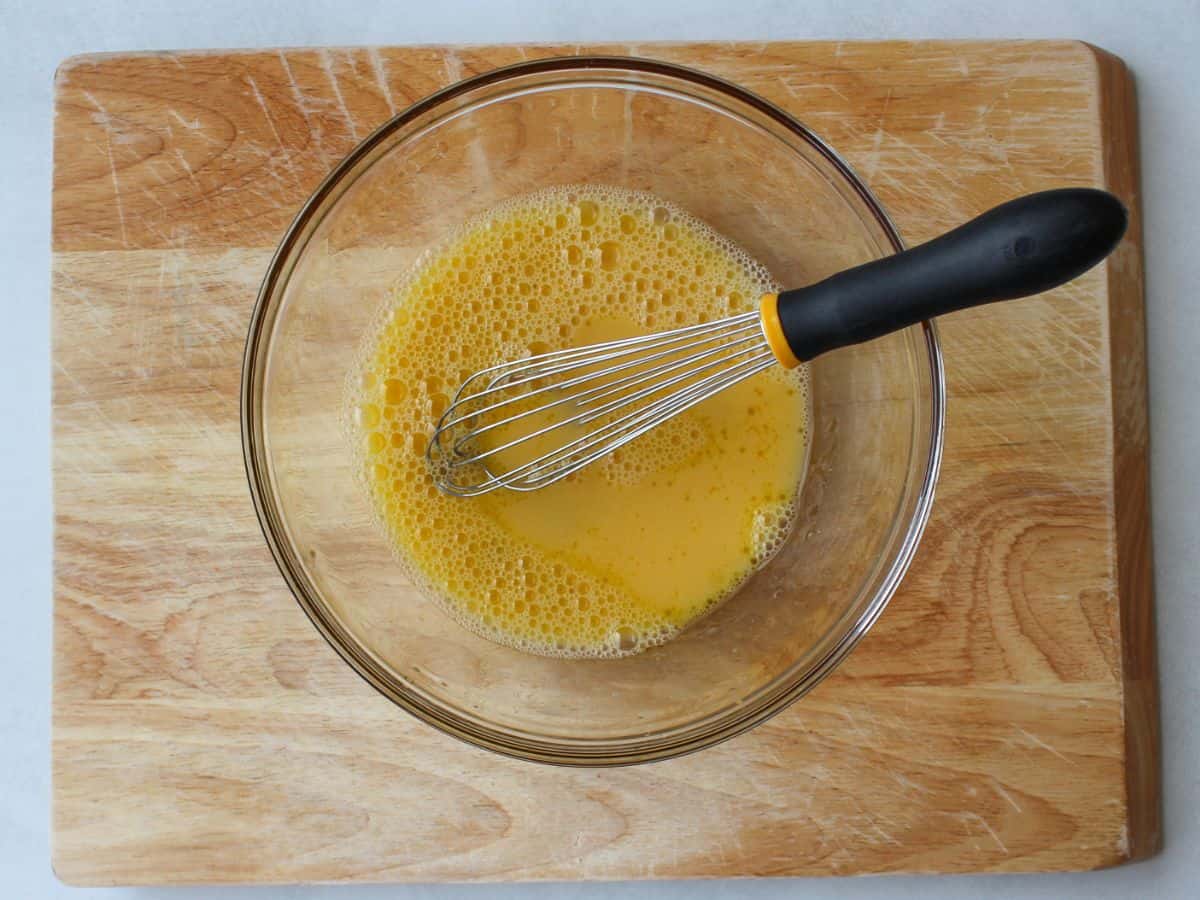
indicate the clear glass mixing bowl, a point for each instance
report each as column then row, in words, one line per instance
column 756, row 175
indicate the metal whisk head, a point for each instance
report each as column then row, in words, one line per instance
column 526, row 424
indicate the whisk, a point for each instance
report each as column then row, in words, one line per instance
column 525, row 424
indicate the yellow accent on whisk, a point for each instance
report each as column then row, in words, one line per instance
column 768, row 311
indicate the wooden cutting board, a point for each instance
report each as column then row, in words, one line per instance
column 1001, row 716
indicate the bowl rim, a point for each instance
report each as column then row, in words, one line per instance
column 624, row 750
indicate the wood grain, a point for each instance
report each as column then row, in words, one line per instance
column 1001, row 716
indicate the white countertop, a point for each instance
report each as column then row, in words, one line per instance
column 1160, row 40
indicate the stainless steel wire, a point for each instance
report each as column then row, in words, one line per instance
column 557, row 412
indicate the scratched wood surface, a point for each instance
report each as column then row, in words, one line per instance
column 1001, row 716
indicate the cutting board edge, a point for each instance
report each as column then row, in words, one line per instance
column 73, row 60
column 1118, row 117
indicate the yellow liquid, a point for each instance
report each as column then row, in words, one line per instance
column 625, row 553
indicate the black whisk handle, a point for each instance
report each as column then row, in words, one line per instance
column 1022, row 247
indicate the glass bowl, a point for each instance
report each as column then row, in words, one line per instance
column 757, row 176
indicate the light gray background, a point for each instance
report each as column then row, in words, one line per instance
column 1159, row 40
